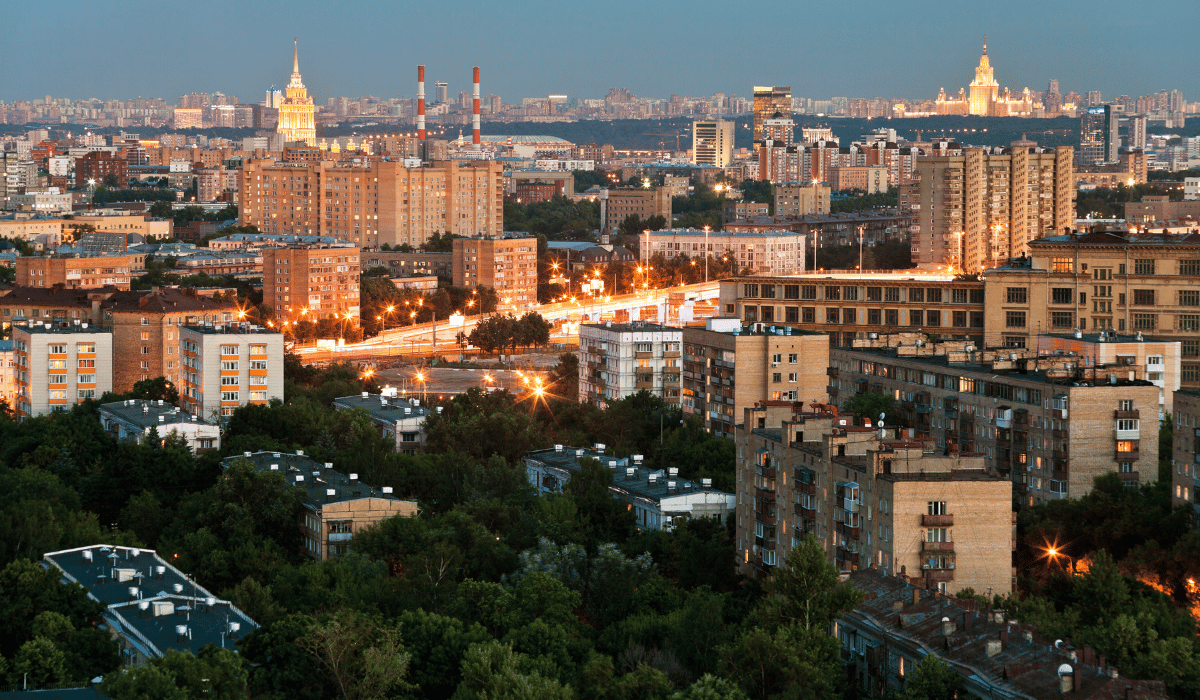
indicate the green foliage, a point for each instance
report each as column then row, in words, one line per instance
column 863, row 202
column 804, row 591
column 558, row 219
column 108, row 193
column 870, row 405
column 497, row 333
column 494, row 670
column 791, row 662
column 214, row 673
column 440, row 242
column 932, row 679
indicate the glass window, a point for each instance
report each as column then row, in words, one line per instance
column 1015, row 319
column 1143, row 297
column 1017, row 295
column 1062, row 265
column 1062, row 295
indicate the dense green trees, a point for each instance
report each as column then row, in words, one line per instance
column 497, row 333
column 859, row 201
column 560, row 219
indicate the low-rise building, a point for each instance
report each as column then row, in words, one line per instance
column 400, row 264
column 626, row 202
column 775, row 253
column 151, row 607
column 133, row 420
column 795, row 199
column 336, row 505
column 657, row 498
column 734, row 211
column 60, row 365
column 241, row 264
column 398, row 419
column 866, row 178
column 871, row 497
column 226, row 366
column 620, row 359
column 728, row 367
column 75, row 272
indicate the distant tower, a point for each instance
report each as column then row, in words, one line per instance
column 442, row 92
column 984, row 88
column 296, row 110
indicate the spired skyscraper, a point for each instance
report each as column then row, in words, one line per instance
column 985, row 98
column 296, row 121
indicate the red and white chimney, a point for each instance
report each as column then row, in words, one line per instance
column 475, row 109
column 421, row 102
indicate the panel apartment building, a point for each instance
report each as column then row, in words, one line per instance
column 981, row 208
column 620, row 359
column 774, row 253
column 1051, row 422
column 321, row 280
column 58, row 366
column 229, row 366
column 373, row 203
column 871, row 500
column 508, row 265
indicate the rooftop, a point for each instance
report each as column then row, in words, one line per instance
column 524, row 140
column 232, row 328
column 322, row 482
column 719, row 234
column 387, row 407
column 145, row 414
column 632, row 326
column 1110, row 238
column 61, row 328
column 629, row 474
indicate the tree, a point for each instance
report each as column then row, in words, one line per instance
column 932, row 679
column 791, row 662
column 711, row 687
column 564, row 377
column 213, row 673
column 157, row 389
column 805, row 592
column 492, row 670
column 39, row 663
column 364, row 658
column 161, row 209
column 868, row 406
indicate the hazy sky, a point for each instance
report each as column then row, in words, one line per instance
column 526, row 48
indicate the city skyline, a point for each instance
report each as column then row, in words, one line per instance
column 523, row 58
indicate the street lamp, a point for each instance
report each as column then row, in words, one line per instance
column 1053, row 552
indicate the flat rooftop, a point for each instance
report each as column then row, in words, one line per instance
column 232, row 329
column 61, row 328
column 145, row 413
column 630, row 327
column 388, row 409
column 321, row 482
column 568, row 459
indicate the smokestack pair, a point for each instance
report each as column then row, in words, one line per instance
column 421, row 105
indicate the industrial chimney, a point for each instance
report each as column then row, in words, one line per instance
column 421, row 102
column 475, row 109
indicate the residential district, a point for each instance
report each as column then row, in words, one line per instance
column 817, row 416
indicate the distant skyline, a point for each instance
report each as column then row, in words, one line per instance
column 534, row 48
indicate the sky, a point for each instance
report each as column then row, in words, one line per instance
column 527, row 48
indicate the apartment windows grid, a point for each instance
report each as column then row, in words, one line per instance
column 891, row 294
column 915, row 317
column 808, row 291
column 891, row 317
column 1062, row 295
column 1145, row 322
column 916, row 295
column 1189, row 322
column 1062, row 265
column 1143, row 297
column 1189, row 268
column 1189, row 297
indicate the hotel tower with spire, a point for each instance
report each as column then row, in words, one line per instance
column 296, row 121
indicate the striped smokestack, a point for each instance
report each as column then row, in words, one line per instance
column 475, row 109
column 421, row 102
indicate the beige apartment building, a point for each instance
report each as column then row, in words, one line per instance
column 644, row 203
column 226, row 366
column 31, row 229
column 508, row 265
column 981, row 208
column 373, row 203
column 872, row 498
column 1128, row 283
column 795, row 199
column 620, row 359
column 868, row 178
column 728, row 367
column 314, row 282
column 58, row 366
column 76, row 272
column 774, row 253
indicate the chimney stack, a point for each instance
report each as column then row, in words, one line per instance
column 475, row 108
column 421, row 102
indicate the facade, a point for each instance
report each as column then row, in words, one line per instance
column 8, row 373
column 1098, row 135
column 868, row 178
column 508, row 265
column 848, row 305
column 620, row 359
column 985, row 98
column 228, row 366
column 712, row 143
column 795, row 199
column 92, row 169
column 643, row 203
column 1051, row 420
column 398, row 263
column 58, row 366
column 1185, row 448
column 778, row 253
column 320, row 281
column 980, row 209
column 871, row 500
column 336, row 505
column 770, row 102
column 659, row 499
column 151, row 607
column 398, row 419
column 1153, row 209
column 132, row 421
column 733, row 211
column 75, row 272
column 296, row 110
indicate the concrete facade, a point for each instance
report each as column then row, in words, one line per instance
column 777, row 253
column 228, row 366
column 620, row 359
column 400, row 420
column 58, row 367
column 321, row 282
column 133, row 419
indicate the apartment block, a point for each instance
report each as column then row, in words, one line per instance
column 401, row 264
column 849, row 306
column 92, row 169
column 401, row 420
column 729, row 367
column 336, row 505
column 643, row 203
column 733, row 211
column 60, row 365
column 867, row 178
column 132, row 420
column 1051, row 421
column 226, row 366
column 795, row 199
column 620, row 359
column 508, row 265
column 1185, row 448
column 322, row 281
column 8, row 373
column 75, row 272
column 775, row 253
column 873, row 498
column 981, row 208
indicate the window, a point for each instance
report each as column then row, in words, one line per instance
column 936, row 507
column 258, row 349
column 933, row 295
column 832, row 314
column 1189, row 348
column 87, row 379
column 1143, row 297
column 768, row 291
column 750, row 291
column 145, row 335
column 1015, row 319
column 258, row 364
column 937, row 534
column 1101, row 273
column 228, row 365
column 1143, row 266
column 1189, row 322
column 891, row 294
column 85, row 348
column 958, row 296
column 1128, row 424
column 833, row 293
column 1127, row 445
column 1102, row 290
column 808, row 291
column 874, row 317
column 791, row 291
column 87, row 364
column 916, row 295
column 1145, row 322
column 776, row 358
column 1062, row 319
column 258, row 396
column 229, row 396
column 792, row 377
column 1017, row 295
column 808, row 314
column 791, row 314
column 933, row 318
column 1191, row 268
column 959, row 319
column 850, row 293
column 793, row 358
column 229, row 349
column 1062, row 295
column 145, row 321
column 776, row 377
column 56, row 379
column 1062, row 265
column 891, row 317
column 145, row 349
column 1189, row 297
column 915, row 316
column 86, row 393
column 874, row 293
column 849, row 316
column 1189, row 373
column 58, row 394
column 229, row 381
column 57, row 364
column 644, row 347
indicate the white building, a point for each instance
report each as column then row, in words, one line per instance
column 1191, row 188
column 226, row 366
column 620, row 359
column 133, row 420
column 657, row 498
column 44, row 202
column 775, row 253
column 398, row 419
column 59, row 365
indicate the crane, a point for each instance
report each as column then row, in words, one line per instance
column 662, row 142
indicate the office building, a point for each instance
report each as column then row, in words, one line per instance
column 775, row 253
column 1052, row 420
column 770, row 102
column 60, row 365
column 642, row 203
column 401, row 420
column 980, row 209
column 150, row 607
column 296, row 110
column 728, row 367
column 620, row 359
column 133, row 420
column 226, row 366
column 336, row 505
column 312, row 282
column 657, row 498
column 1098, row 135
column 508, row 265
column 75, row 272
column 795, row 199
column 712, row 143
column 872, row 498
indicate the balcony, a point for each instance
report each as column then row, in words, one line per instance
column 1135, row 415
column 831, row 372
column 938, row 575
column 767, row 473
column 806, row 513
column 1127, row 456
column 937, row 546
column 768, row 519
column 804, row 487
column 764, row 543
column 1129, row 477
column 765, row 494
column 937, row 521
column 1132, row 434
column 341, row 536
column 923, row 408
column 849, row 531
column 1058, row 433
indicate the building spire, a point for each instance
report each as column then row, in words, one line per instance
column 296, row 53
column 985, row 44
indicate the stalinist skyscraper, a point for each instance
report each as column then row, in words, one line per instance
column 296, row 111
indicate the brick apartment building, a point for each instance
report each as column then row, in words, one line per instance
column 95, row 166
column 508, row 265
column 321, row 281
column 86, row 272
column 645, row 203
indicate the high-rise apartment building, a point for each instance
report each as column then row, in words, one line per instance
column 296, row 111
column 712, row 143
column 320, row 281
column 1098, row 135
column 373, row 203
column 226, row 366
column 620, row 359
column 770, row 102
column 980, row 209
column 795, row 199
column 644, row 203
column 508, row 265
column 60, row 365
